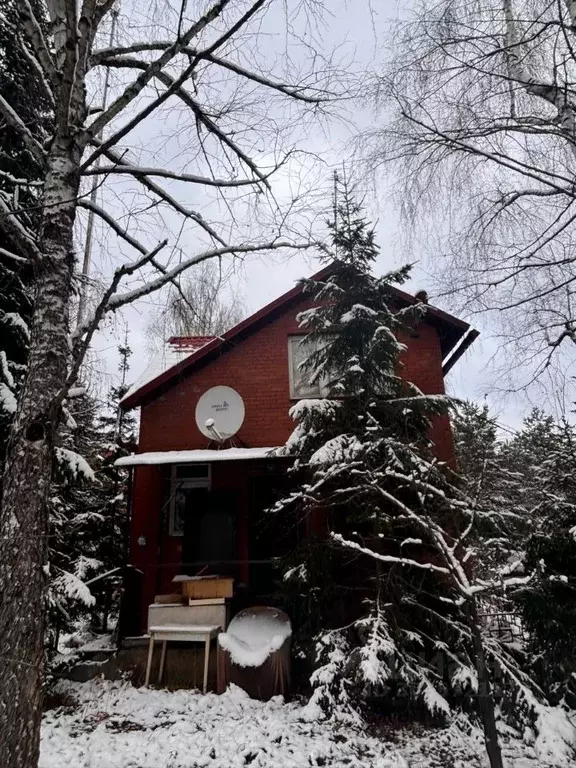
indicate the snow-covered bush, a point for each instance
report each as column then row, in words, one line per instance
column 88, row 513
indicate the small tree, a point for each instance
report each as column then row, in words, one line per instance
column 76, row 517
column 196, row 306
column 400, row 532
column 88, row 511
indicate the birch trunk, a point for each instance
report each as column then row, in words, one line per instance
column 26, row 481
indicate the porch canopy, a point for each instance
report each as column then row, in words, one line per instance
column 199, row 456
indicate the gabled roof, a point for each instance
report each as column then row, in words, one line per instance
column 450, row 331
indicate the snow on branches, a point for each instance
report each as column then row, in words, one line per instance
column 72, row 467
column 403, row 621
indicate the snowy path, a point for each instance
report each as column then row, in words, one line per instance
column 116, row 725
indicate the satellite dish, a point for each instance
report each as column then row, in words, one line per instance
column 220, row 413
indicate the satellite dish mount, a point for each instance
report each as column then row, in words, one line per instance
column 220, row 413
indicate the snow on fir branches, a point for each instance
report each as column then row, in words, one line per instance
column 397, row 600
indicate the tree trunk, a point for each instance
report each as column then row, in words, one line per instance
column 28, row 469
column 484, row 698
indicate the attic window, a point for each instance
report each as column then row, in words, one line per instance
column 299, row 350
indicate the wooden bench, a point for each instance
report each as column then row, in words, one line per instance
column 182, row 634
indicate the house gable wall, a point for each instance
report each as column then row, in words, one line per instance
column 257, row 368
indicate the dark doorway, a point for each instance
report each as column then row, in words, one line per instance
column 209, row 544
column 271, row 534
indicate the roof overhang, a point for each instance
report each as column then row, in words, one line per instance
column 450, row 329
column 200, row 456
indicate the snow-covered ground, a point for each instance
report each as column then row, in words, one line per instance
column 114, row 725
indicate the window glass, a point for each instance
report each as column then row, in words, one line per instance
column 184, row 477
column 191, row 470
column 300, row 385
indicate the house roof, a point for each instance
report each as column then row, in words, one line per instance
column 184, row 359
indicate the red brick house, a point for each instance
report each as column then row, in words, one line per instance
column 177, row 469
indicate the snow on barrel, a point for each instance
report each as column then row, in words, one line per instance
column 258, row 638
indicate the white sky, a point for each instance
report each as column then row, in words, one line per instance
column 356, row 30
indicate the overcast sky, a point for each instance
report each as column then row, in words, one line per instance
column 356, row 31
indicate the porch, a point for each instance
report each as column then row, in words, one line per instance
column 203, row 512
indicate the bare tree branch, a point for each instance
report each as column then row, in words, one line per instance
column 14, row 120
column 237, row 250
column 174, row 88
column 165, row 196
column 113, row 224
column 117, row 57
column 36, row 37
column 482, row 135
column 85, row 333
column 153, row 69
column 167, row 174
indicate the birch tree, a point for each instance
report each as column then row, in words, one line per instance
column 191, row 69
column 479, row 119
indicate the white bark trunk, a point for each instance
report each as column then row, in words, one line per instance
column 26, row 481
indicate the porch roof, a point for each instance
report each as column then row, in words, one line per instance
column 199, row 456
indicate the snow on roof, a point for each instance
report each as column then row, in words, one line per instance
column 189, row 343
column 176, row 349
column 200, row 456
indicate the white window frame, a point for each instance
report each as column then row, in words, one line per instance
column 183, row 484
column 322, row 383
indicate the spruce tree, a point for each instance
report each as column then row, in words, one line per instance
column 365, row 452
column 88, row 511
column 19, row 177
column 76, row 521
column 544, row 454
column 402, row 621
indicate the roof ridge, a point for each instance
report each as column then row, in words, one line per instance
column 211, row 344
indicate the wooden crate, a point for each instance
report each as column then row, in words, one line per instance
column 198, row 612
column 206, row 587
column 175, row 597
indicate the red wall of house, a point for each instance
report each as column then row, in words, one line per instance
column 258, row 369
column 158, row 555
